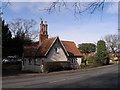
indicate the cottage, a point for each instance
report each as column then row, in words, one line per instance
column 50, row 49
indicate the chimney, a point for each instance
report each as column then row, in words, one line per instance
column 43, row 32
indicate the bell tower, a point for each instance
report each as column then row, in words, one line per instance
column 43, row 32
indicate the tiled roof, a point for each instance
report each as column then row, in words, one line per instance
column 71, row 48
column 92, row 54
column 44, row 47
column 35, row 43
column 118, row 55
column 29, row 50
column 41, row 50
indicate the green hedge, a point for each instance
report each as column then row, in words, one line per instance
column 56, row 66
column 12, row 66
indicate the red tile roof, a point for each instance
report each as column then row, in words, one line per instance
column 118, row 55
column 35, row 43
column 38, row 51
column 44, row 47
column 92, row 54
column 71, row 48
column 29, row 50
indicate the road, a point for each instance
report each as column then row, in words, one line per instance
column 103, row 77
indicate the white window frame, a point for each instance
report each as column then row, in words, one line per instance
column 72, row 60
column 37, row 61
column 57, row 50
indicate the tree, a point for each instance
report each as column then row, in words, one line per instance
column 0, row 37
column 102, row 54
column 23, row 33
column 111, row 42
column 23, row 26
column 119, row 38
column 87, row 47
column 78, row 6
column 6, row 40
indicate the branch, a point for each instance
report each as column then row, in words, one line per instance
column 91, row 7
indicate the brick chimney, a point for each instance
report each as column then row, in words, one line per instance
column 43, row 32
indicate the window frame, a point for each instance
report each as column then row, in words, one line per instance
column 30, row 61
column 36, row 61
column 72, row 60
column 56, row 50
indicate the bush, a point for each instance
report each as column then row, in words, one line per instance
column 102, row 52
column 94, row 61
column 12, row 66
column 91, row 59
column 56, row 66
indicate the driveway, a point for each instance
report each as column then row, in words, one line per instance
column 105, row 77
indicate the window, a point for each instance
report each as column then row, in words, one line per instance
column 37, row 61
column 30, row 61
column 57, row 50
column 73, row 60
column 24, row 61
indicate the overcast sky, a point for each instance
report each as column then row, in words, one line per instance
column 83, row 29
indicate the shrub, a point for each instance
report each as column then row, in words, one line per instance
column 56, row 66
column 102, row 53
column 91, row 59
column 12, row 66
column 94, row 60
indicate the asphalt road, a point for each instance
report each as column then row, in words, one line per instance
column 103, row 77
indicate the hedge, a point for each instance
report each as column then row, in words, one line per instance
column 56, row 66
column 12, row 66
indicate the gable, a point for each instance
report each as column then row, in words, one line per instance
column 57, row 43
column 57, row 52
column 44, row 47
column 34, row 50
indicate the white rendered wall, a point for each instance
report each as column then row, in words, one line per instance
column 60, row 56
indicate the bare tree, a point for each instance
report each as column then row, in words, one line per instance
column 111, row 42
column 78, row 7
column 25, row 26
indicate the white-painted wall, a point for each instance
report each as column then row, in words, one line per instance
column 79, row 60
column 52, row 56
column 60, row 56
column 75, row 62
column 32, row 66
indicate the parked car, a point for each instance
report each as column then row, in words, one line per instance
column 5, row 60
column 9, row 59
column 12, row 58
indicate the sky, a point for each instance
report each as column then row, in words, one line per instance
column 85, row 28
